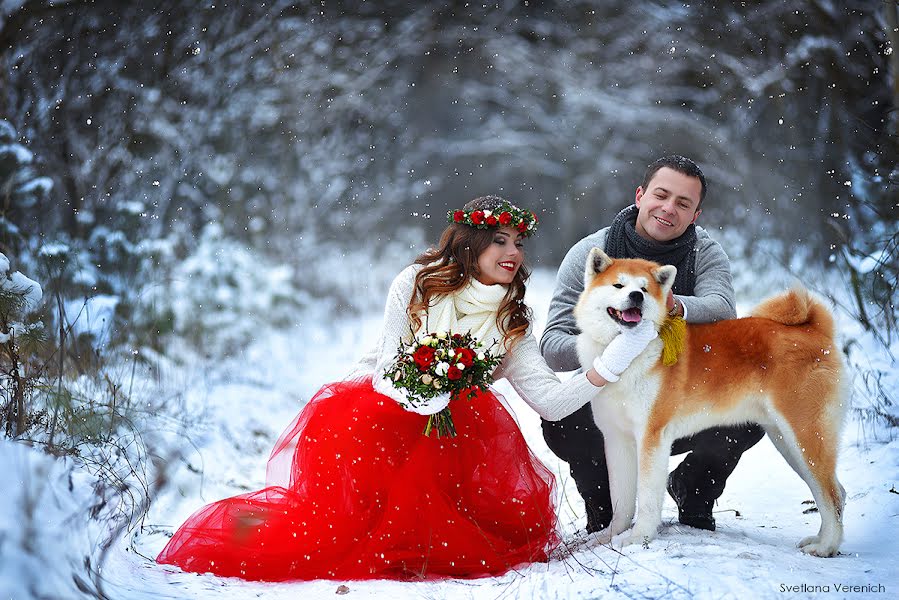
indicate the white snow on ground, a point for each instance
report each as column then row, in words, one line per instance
column 250, row 399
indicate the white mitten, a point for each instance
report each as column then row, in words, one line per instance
column 431, row 406
column 623, row 349
column 426, row 407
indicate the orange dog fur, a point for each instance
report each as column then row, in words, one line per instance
column 779, row 367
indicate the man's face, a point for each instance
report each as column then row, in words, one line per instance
column 668, row 205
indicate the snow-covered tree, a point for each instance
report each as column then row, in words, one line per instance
column 20, row 298
column 313, row 133
column 22, row 190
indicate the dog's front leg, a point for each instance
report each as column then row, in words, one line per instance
column 621, row 461
column 653, row 467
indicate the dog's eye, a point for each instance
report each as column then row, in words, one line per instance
column 645, row 291
column 617, row 286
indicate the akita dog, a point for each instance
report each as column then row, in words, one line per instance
column 779, row 367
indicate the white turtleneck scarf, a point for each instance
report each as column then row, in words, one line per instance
column 473, row 308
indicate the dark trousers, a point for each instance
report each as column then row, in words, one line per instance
column 713, row 456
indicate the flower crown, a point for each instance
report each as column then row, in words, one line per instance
column 506, row 215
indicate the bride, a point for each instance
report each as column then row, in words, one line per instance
column 354, row 490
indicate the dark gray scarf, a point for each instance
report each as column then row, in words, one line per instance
column 623, row 241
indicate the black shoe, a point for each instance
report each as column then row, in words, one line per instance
column 698, row 520
column 699, row 517
column 597, row 518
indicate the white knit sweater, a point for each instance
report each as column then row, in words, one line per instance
column 523, row 366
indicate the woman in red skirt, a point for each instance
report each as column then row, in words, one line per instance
column 354, row 490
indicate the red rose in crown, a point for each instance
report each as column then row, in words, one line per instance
column 506, row 215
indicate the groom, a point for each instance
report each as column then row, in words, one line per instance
column 659, row 226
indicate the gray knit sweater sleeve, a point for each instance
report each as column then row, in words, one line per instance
column 713, row 297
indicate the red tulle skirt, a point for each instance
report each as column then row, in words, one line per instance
column 355, row 491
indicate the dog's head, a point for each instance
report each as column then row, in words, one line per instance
column 621, row 293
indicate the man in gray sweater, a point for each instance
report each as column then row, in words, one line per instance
column 659, row 226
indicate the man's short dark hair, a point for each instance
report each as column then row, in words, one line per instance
column 678, row 163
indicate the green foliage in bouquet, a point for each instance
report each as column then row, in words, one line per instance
column 440, row 363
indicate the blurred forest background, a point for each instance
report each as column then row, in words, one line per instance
column 196, row 195
column 187, row 170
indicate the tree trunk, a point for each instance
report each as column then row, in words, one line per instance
column 17, row 402
column 891, row 13
column 19, row 398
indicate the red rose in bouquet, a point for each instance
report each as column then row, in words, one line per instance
column 439, row 363
column 477, row 217
column 505, row 218
column 465, row 356
column 459, row 216
column 453, row 373
column 424, row 357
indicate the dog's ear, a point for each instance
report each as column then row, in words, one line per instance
column 665, row 276
column 597, row 262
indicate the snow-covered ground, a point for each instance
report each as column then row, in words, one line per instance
column 55, row 551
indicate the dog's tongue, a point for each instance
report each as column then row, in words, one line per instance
column 631, row 315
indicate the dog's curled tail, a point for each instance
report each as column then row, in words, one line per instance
column 797, row 307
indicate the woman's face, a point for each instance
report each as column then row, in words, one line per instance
column 500, row 261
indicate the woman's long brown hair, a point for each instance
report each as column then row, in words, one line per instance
column 451, row 265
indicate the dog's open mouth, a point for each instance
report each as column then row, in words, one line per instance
column 628, row 317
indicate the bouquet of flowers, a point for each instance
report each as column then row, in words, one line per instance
column 440, row 363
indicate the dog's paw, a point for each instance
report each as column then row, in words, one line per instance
column 820, row 550
column 636, row 538
column 814, row 546
column 603, row 536
column 808, row 541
